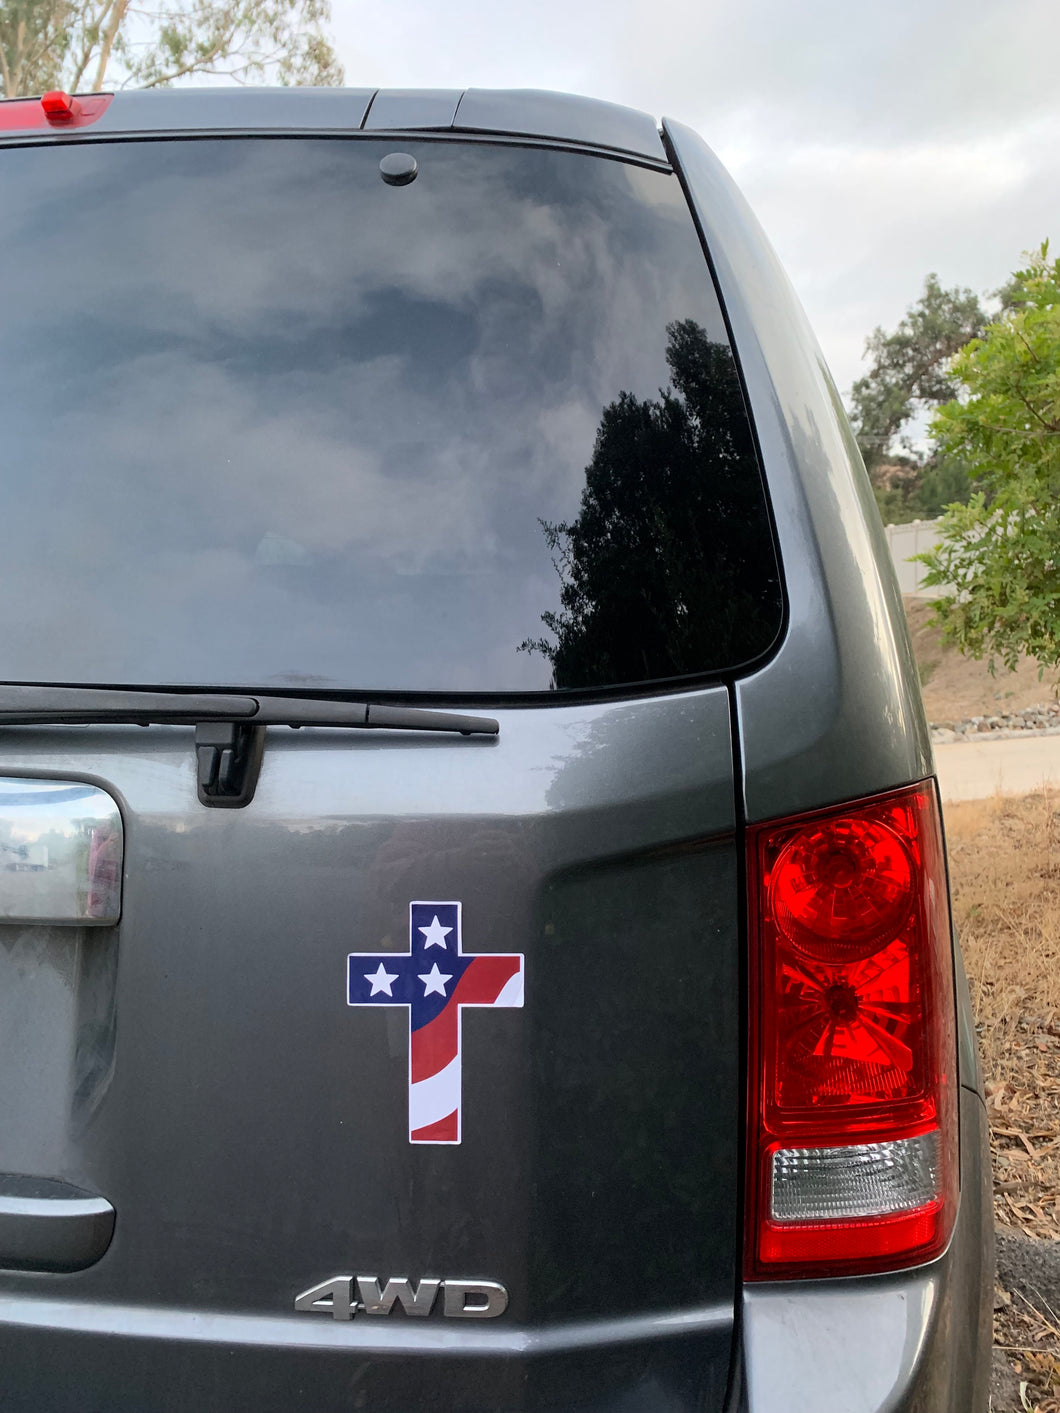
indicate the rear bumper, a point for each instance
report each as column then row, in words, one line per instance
column 911, row 1342
column 915, row 1340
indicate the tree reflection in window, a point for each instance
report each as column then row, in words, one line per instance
column 669, row 568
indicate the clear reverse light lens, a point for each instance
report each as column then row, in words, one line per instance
column 858, row 1180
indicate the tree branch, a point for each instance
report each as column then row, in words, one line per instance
column 1023, row 340
column 221, row 47
column 1020, row 431
column 117, row 14
column 90, row 27
column 5, row 72
column 1050, row 427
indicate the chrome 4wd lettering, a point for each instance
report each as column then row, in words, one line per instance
column 342, row 1297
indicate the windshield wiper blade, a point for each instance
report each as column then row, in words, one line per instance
column 22, row 705
column 229, row 726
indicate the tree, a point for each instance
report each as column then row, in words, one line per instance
column 75, row 44
column 910, row 368
column 910, row 373
column 999, row 556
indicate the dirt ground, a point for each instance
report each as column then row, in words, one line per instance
column 1005, row 869
column 956, row 688
column 1005, row 866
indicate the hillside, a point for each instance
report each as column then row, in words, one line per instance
column 956, row 687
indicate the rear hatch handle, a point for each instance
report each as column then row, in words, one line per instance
column 229, row 734
column 46, row 1225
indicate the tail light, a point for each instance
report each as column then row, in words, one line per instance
column 852, row 1100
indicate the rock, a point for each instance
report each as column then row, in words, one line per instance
column 1030, row 1266
column 1043, row 719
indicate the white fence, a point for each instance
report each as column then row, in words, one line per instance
column 905, row 541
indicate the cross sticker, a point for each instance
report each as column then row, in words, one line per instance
column 434, row 980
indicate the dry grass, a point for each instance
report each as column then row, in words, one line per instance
column 1005, row 862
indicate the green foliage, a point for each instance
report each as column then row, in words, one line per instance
column 910, row 373
column 924, row 490
column 1001, row 551
column 33, row 39
column 910, row 368
column 893, row 506
column 76, row 43
column 945, row 480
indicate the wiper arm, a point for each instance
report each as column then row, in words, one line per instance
column 229, row 728
column 83, row 706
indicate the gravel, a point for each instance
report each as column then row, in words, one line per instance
column 1040, row 720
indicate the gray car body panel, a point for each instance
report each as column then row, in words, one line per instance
column 225, row 109
column 413, row 109
column 836, row 712
column 969, row 1067
column 595, row 791
column 914, row 1342
column 269, row 1150
column 530, row 113
column 533, row 113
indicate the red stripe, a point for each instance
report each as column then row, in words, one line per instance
column 484, row 980
column 441, row 1131
column 434, row 1044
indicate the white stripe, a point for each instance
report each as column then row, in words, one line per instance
column 434, row 1098
column 512, row 990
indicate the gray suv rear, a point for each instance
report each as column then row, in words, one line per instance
column 564, row 1014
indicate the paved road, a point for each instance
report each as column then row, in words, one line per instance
column 977, row 770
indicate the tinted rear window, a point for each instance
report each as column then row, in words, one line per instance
column 270, row 421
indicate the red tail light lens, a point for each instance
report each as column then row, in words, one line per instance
column 840, row 886
column 852, row 1131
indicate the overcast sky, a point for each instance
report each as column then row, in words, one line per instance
column 875, row 141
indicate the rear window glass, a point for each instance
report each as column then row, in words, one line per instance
column 269, row 421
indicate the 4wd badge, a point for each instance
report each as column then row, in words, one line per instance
column 342, row 1297
column 434, row 980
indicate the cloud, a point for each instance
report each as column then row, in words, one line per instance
column 859, row 227
column 883, row 71
column 876, row 142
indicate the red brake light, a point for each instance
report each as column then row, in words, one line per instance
column 852, row 1125
column 53, row 110
column 59, row 107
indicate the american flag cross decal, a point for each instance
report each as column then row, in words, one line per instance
column 434, row 981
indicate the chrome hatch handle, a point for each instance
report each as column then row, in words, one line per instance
column 61, row 853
